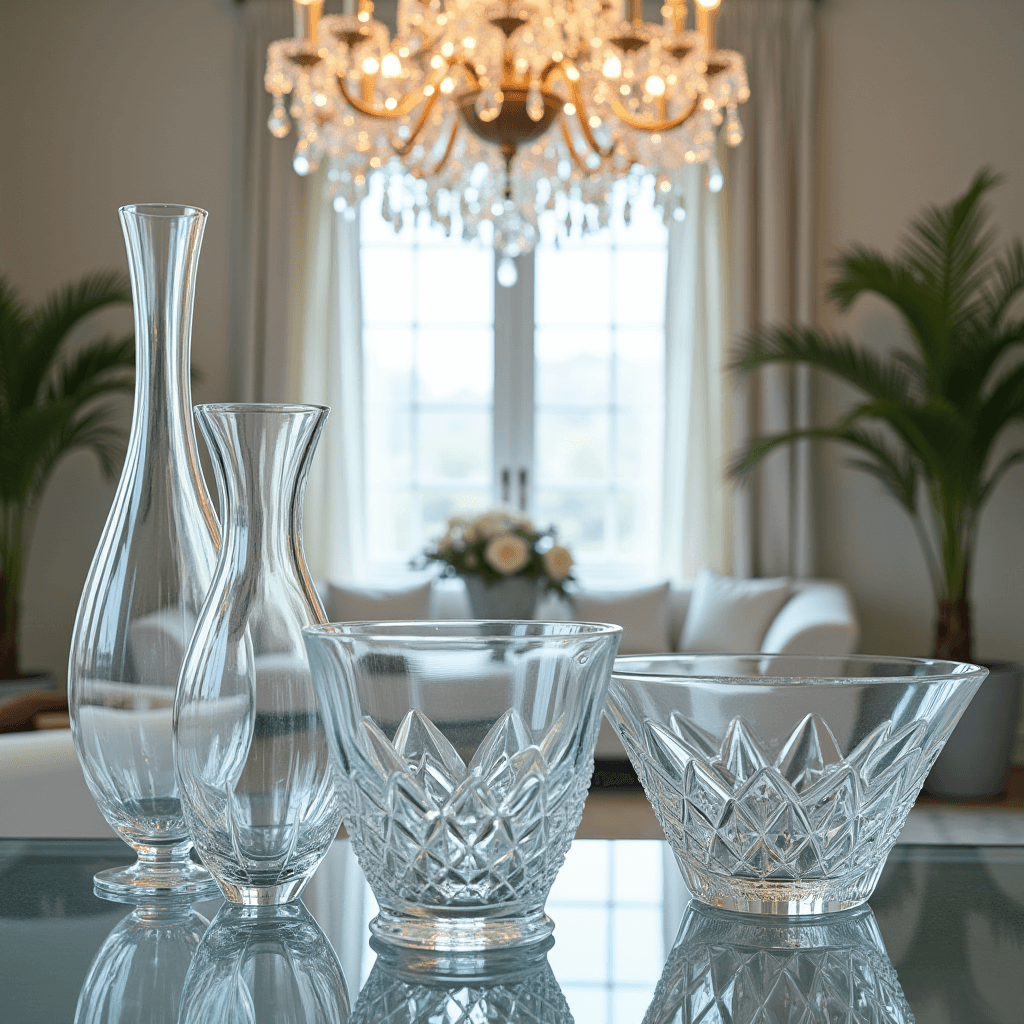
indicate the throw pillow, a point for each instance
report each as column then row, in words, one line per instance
column 642, row 614
column 729, row 615
column 360, row 604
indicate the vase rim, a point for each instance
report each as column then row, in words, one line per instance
column 261, row 408
column 162, row 210
column 789, row 669
column 445, row 632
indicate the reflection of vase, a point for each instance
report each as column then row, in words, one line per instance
column 257, row 783
column 409, row 988
column 749, row 970
column 514, row 597
column 149, row 576
column 138, row 974
column 261, row 964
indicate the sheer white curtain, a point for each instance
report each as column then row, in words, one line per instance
column 696, row 502
column 327, row 368
column 741, row 258
column 771, row 196
column 299, row 318
column 271, row 196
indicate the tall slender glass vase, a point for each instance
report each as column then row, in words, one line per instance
column 257, row 784
column 148, row 578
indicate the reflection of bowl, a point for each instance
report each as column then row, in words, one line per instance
column 465, row 750
column 782, row 782
column 515, row 987
column 724, row 967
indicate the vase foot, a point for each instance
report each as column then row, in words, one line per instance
column 264, row 895
column 461, row 933
column 156, row 877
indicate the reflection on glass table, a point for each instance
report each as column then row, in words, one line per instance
column 138, row 973
column 947, row 929
column 270, row 963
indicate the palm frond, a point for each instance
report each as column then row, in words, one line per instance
column 1009, row 283
column 1003, row 404
column 1005, row 464
column 863, row 270
column 839, row 356
column 13, row 322
column 949, row 246
column 27, row 436
column 51, row 323
column 895, row 469
column 102, row 368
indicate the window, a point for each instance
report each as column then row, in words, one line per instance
column 546, row 396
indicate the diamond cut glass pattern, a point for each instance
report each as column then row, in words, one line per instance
column 466, row 751
column 398, row 992
column 728, row 968
column 782, row 782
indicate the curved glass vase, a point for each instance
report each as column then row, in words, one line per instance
column 138, row 974
column 745, row 970
column 783, row 781
column 517, row 987
column 257, row 783
column 265, row 964
column 148, row 578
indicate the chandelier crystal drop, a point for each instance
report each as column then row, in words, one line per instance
column 484, row 115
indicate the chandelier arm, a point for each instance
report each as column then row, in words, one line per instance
column 408, row 103
column 652, row 126
column 577, row 98
column 447, row 149
column 572, row 148
column 406, row 147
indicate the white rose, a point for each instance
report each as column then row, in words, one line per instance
column 491, row 524
column 557, row 562
column 507, row 553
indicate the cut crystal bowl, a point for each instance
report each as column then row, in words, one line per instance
column 782, row 781
column 510, row 987
column 747, row 970
column 465, row 752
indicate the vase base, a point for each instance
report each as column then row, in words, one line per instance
column 143, row 882
column 461, row 934
column 264, row 895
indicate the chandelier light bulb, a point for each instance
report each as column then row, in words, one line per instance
column 713, row 177
column 391, row 66
column 655, row 85
column 571, row 73
column 371, row 66
column 507, row 272
column 709, row 5
column 447, row 85
column 612, row 68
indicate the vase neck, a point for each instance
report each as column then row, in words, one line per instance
column 163, row 245
column 261, row 456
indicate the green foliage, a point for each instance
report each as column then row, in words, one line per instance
column 51, row 404
column 928, row 419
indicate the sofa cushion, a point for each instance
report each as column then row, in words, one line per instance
column 817, row 619
column 362, row 604
column 728, row 615
column 643, row 615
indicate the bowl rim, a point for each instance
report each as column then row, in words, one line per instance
column 952, row 670
column 445, row 631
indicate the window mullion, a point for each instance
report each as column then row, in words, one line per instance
column 513, row 384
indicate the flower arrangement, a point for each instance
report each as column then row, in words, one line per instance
column 499, row 544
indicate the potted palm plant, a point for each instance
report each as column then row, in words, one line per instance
column 51, row 402
column 928, row 421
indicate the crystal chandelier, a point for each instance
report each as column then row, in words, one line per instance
column 485, row 114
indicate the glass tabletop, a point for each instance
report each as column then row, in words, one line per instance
column 943, row 942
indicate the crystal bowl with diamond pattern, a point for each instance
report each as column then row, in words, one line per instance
column 465, row 752
column 782, row 781
column 760, row 970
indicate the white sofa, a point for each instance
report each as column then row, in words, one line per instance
column 814, row 616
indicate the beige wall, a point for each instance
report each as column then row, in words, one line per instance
column 917, row 95
column 109, row 102
column 146, row 106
